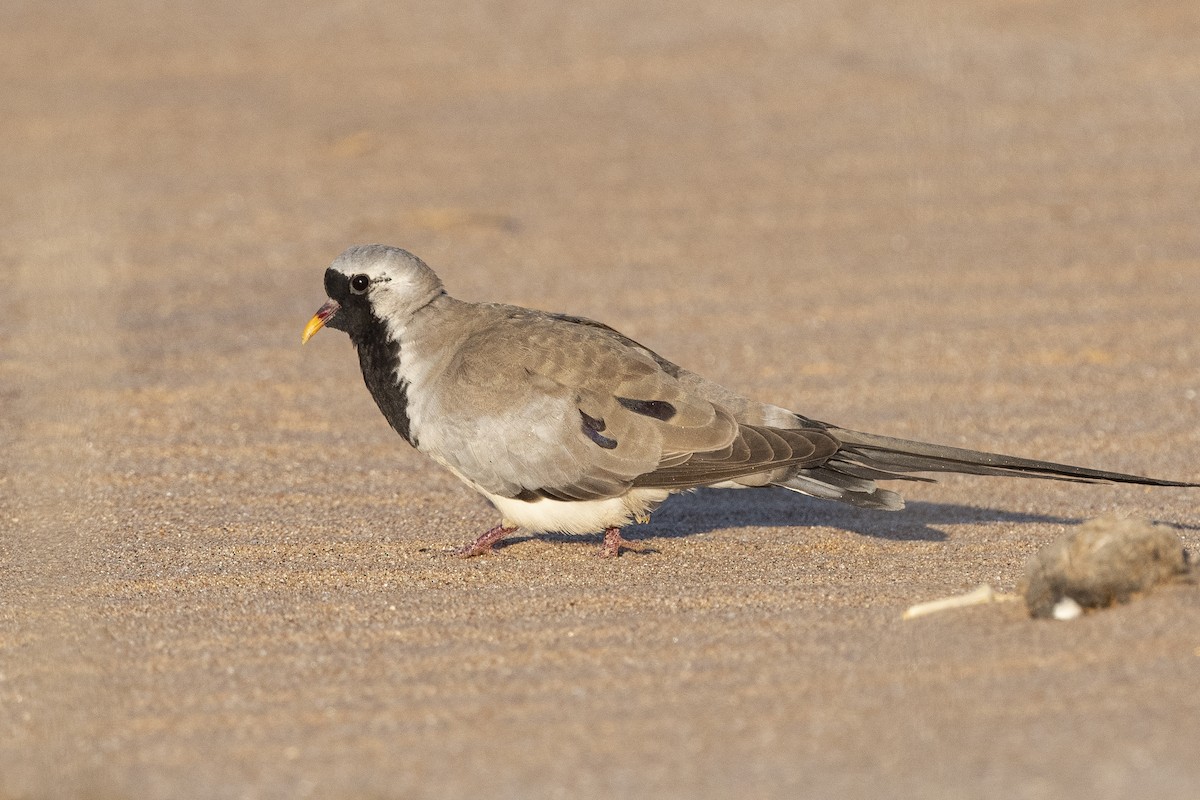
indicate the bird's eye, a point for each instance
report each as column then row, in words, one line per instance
column 359, row 284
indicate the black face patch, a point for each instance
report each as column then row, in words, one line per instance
column 658, row 409
column 337, row 285
column 354, row 316
column 378, row 356
column 592, row 428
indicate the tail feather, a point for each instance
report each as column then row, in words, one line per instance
column 823, row 483
column 902, row 455
column 850, row 474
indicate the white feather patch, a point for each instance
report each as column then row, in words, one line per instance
column 579, row 516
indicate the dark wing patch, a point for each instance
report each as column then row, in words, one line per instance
column 658, row 409
column 592, row 428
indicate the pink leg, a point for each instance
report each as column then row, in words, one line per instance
column 484, row 543
column 613, row 542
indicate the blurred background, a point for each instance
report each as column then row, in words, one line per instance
column 757, row 165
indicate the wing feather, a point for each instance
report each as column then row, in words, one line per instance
column 575, row 411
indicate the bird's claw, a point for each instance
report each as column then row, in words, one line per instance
column 484, row 543
column 613, row 542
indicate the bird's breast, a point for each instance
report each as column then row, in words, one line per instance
column 380, row 359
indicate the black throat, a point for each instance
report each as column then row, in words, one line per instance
column 379, row 358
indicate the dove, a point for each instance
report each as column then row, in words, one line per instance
column 567, row 425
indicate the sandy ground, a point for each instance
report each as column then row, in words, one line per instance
column 222, row 576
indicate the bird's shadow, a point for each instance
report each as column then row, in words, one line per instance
column 707, row 510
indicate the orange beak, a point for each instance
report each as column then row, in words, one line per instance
column 323, row 315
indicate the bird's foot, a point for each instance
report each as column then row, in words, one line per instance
column 484, row 543
column 613, row 542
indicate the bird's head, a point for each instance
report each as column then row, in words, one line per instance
column 373, row 283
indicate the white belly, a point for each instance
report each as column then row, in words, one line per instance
column 581, row 516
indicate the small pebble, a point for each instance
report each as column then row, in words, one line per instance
column 1067, row 609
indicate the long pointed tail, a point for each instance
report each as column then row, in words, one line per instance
column 901, row 455
column 850, row 474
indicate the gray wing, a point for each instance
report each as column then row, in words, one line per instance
column 539, row 405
